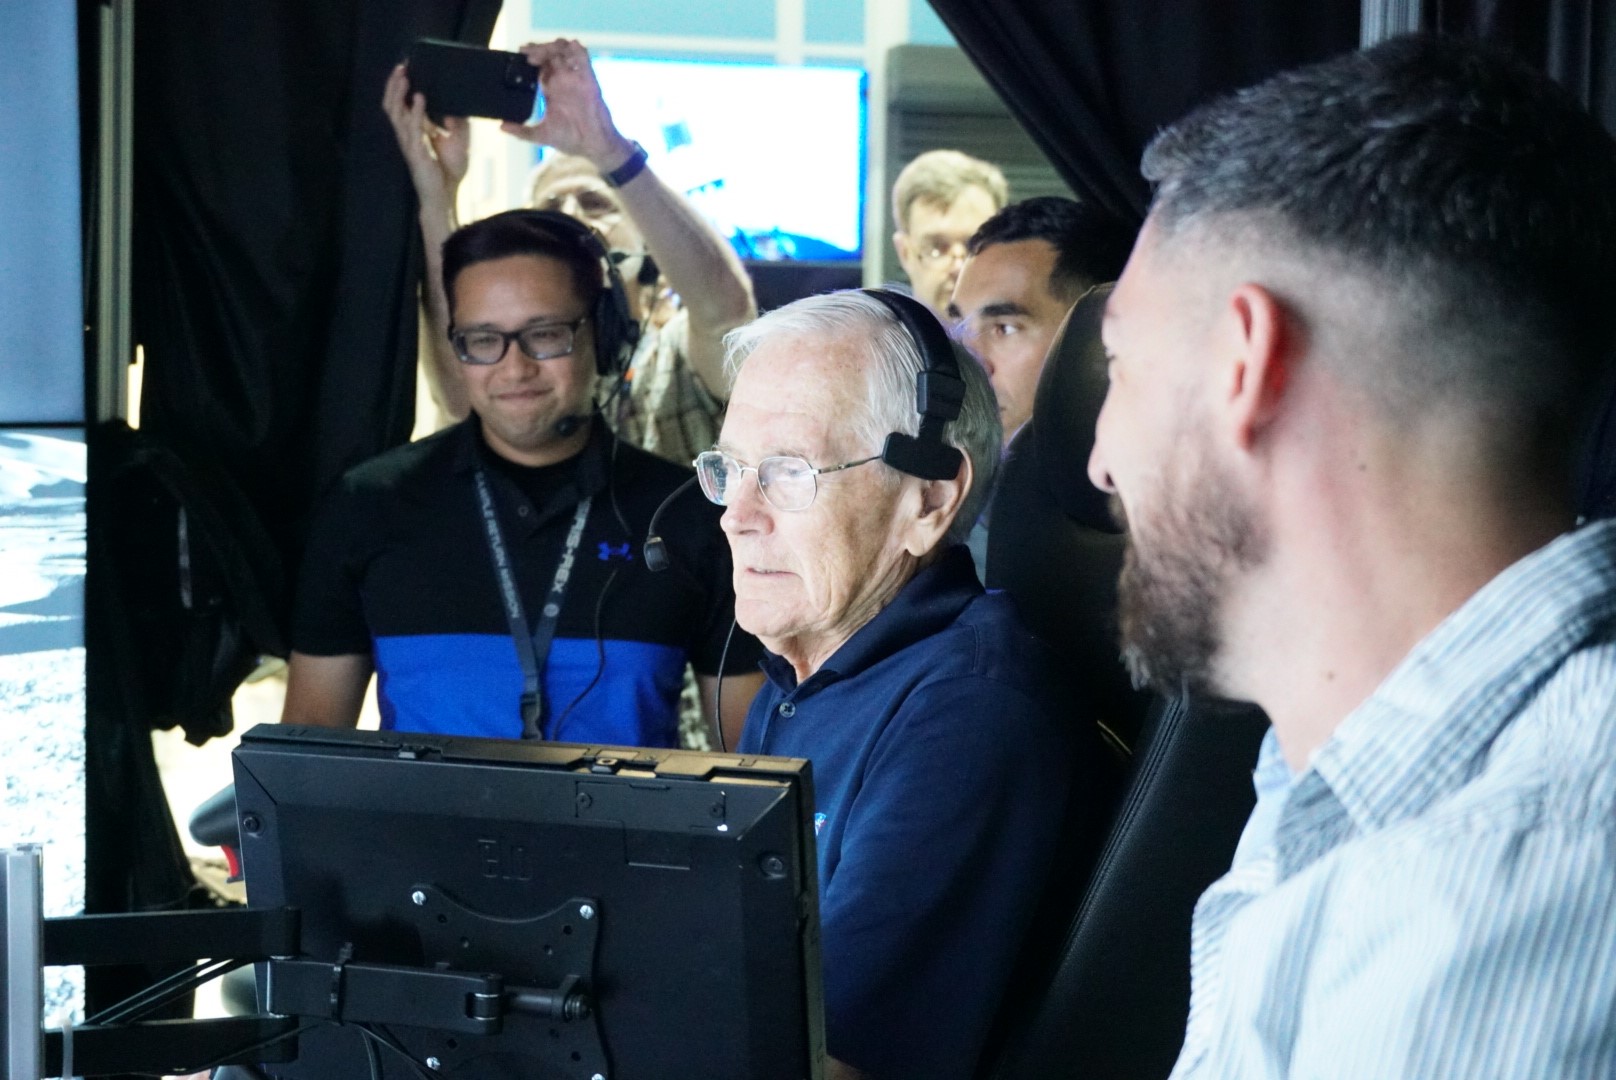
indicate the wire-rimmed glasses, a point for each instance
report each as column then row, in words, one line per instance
column 788, row 482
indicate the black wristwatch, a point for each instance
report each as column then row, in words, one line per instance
column 629, row 169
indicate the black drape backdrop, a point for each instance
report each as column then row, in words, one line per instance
column 275, row 257
column 275, row 247
column 1092, row 80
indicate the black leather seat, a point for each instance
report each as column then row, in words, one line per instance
column 1103, row 988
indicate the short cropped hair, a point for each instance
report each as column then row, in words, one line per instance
column 1470, row 191
column 939, row 176
column 520, row 232
column 893, row 361
column 1091, row 246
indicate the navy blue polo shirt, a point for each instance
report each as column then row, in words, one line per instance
column 398, row 566
column 940, row 778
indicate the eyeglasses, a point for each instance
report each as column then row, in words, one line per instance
column 941, row 251
column 788, row 483
column 541, row 341
column 590, row 204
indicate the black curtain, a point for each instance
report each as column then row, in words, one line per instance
column 275, row 246
column 1572, row 40
column 1093, row 80
column 275, row 260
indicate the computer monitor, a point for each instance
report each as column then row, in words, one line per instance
column 772, row 154
column 643, row 913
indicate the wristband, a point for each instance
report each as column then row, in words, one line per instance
column 629, row 169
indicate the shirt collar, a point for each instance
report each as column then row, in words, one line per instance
column 594, row 460
column 1425, row 730
column 926, row 604
column 593, row 466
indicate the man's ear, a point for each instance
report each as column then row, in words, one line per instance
column 1263, row 339
column 900, row 244
column 939, row 504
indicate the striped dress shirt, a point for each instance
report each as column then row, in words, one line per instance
column 1435, row 895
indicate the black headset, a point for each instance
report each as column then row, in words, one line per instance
column 616, row 330
column 939, row 392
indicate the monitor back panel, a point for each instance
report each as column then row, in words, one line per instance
column 678, row 888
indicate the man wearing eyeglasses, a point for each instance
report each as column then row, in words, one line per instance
column 938, row 200
column 941, row 761
column 491, row 575
column 686, row 285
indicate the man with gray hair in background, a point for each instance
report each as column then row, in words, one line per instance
column 941, row 758
column 938, row 200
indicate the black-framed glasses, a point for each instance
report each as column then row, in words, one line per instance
column 539, row 341
column 788, row 483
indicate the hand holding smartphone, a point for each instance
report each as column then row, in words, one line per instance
column 464, row 80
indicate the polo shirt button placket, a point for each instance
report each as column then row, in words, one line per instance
column 787, row 710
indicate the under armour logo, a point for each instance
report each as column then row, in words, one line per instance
column 615, row 551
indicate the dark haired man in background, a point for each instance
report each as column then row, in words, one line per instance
column 673, row 403
column 1350, row 358
column 1027, row 265
column 491, row 575
column 1025, row 268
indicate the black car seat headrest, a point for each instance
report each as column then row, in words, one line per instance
column 1070, row 393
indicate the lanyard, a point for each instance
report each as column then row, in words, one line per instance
column 531, row 650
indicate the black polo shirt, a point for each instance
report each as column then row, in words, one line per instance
column 398, row 565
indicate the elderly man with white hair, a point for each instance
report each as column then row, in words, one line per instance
column 941, row 765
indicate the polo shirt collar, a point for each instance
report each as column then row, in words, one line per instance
column 590, row 478
column 927, row 604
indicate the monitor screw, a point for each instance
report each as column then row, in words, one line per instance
column 773, row 866
column 717, row 809
column 419, row 899
column 584, row 800
column 434, row 1064
column 585, row 911
column 251, row 823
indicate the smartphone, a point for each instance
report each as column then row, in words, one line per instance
column 463, row 80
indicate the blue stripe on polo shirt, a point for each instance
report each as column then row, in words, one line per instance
column 471, row 684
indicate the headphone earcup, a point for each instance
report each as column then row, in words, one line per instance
column 616, row 330
column 939, row 393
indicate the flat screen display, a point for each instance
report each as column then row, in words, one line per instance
column 42, row 556
column 773, row 155
column 648, row 913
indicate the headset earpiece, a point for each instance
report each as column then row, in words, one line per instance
column 939, row 393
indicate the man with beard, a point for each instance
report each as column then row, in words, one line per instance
column 1350, row 361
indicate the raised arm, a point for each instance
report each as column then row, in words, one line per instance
column 437, row 158
column 700, row 265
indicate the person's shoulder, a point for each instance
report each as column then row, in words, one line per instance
column 993, row 641
column 649, row 479
column 390, row 469
column 647, row 468
column 985, row 663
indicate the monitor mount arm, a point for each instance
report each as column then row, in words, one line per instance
column 443, row 1009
